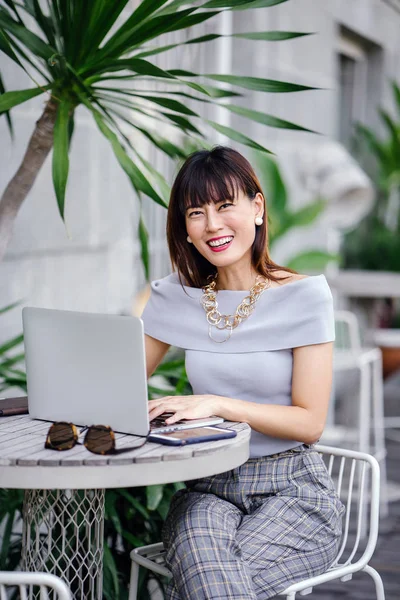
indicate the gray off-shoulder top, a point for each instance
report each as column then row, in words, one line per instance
column 255, row 364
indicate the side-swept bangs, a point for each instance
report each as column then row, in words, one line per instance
column 206, row 181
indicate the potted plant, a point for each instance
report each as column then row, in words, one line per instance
column 375, row 245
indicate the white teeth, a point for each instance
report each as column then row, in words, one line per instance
column 221, row 241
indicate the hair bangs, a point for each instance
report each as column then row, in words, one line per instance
column 208, row 183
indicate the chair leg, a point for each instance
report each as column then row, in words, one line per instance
column 379, row 429
column 134, row 581
column 364, row 416
column 364, row 431
column 380, row 592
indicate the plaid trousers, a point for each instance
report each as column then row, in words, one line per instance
column 249, row 533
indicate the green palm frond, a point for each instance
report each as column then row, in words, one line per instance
column 11, row 358
column 97, row 53
column 386, row 148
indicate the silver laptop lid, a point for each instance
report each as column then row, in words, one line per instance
column 86, row 368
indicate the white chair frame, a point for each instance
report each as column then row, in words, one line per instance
column 368, row 362
column 26, row 580
column 352, row 486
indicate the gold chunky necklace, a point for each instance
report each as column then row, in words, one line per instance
column 243, row 311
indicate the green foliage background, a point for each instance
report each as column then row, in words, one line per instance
column 375, row 244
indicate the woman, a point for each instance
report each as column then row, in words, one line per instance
column 258, row 339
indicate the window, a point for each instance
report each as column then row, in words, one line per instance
column 359, row 83
column 350, row 100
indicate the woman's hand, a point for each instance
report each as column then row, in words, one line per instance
column 184, row 407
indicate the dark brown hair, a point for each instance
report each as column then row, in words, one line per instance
column 211, row 176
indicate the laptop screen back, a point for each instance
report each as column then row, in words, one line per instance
column 86, row 369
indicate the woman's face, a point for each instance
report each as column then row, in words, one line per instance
column 224, row 232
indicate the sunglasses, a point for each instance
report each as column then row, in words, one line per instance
column 99, row 439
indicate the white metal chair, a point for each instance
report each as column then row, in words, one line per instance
column 30, row 585
column 369, row 434
column 349, row 470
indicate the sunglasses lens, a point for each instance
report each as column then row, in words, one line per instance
column 61, row 436
column 99, row 439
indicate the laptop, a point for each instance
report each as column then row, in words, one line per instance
column 90, row 369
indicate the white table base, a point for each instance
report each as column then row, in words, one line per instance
column 63, row 534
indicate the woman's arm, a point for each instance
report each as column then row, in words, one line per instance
column 302, row 421
column 155, row 352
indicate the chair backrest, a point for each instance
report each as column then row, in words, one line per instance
column 30, row 585
column 347, row 331
column 356, row 476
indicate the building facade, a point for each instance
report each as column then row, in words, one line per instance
column 94, row 265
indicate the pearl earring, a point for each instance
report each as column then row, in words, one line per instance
column 258, row 221
column 189, row 239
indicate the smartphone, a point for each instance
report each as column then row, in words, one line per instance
column 191, row 436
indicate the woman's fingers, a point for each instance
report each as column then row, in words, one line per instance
column 156, row 412
column 158, row 407
column 170, row 405
column 181, row 407
column 159, row 401
column 176, row 417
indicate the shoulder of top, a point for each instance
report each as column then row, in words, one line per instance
column 289, row 283
column 171, row 278
column 300, row 286
column 315, row 284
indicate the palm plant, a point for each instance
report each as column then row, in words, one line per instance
column 133, row 517
column 10, row 526
column 96, row 54
column 11, row 375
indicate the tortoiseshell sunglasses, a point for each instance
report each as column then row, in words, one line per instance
column 99, row 439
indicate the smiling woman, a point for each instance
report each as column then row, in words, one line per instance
column 216, row 196
column 266, row 361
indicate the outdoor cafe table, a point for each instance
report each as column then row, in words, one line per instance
column 63, row 512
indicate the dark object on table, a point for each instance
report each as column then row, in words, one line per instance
column 13, row 406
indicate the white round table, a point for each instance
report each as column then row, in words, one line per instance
column 63, row 513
